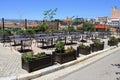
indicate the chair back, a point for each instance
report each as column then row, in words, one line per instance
column 27, row 43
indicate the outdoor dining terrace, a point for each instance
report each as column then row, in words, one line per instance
column 46, row 42
column 24, row 42
column 40, row 40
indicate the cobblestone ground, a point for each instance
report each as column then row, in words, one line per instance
column 10, row 62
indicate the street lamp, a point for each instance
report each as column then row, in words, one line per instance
column 3, row 26
column 25, row 23
column 119, row 27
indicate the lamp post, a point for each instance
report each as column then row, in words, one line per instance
column 119, row 27
column 25, row 23
column 3, row 26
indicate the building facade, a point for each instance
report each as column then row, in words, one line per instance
column 101, row 20
column 115, row 12
column 114, row 21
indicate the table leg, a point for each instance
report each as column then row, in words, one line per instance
column 21, row 46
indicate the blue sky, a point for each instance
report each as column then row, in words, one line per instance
column 34, row 9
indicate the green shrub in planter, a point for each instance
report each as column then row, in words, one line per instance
column 35, row 62
column 112, row 41
column 83, row 49
column 97, row 41
column 83, row 46
column 65, row 56
column 97, row 45
column 69, row 50
column 60, row 47
column 27, row 57
column 118, row 39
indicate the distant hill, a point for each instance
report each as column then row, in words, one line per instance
column 18, row 20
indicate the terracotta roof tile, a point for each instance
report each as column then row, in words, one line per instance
column 68, row 20
column 8, row 25
column 80, row 26
column 100, row 26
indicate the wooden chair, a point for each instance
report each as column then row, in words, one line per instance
column 27, row 44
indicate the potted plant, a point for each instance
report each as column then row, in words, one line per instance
column 112, row 41
column 83, row 49
column 118, row 39
column 60, row 47
column 97, row 45
column 61, row 55
column 35, row 62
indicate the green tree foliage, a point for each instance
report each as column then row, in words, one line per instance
column 55, row 30
column 88, row 26
column 60, row 47
column 108, row 29
column 71, row 28
column 5, row 32
column 65, row 30
column 30, row 31
column 20, row 31
column 42, row 27
column 49, row 14
column 77, row 22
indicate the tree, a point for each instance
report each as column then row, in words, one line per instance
column 42, row 27
column 108, row 29
column 49, row 14
column 75, row 22
column 88, row 26
column 71, row 28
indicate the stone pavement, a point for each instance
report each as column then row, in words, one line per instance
column 10, row 62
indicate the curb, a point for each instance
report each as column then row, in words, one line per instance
column 57, row 67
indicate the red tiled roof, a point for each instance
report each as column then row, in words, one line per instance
column 22, row 24
column 100, row 26
column 80, row 26
column 68, row 20
column 33, row 24
column 8, row 25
